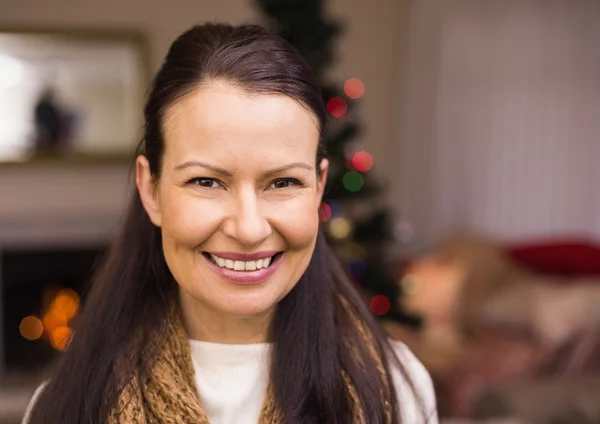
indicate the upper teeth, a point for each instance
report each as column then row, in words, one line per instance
column 241, row 265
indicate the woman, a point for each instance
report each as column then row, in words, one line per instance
column 221, row 301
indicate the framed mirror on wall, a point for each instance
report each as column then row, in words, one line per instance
column 71, row 95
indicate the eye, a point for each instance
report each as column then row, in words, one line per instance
column 282, row 183
column 205, row 182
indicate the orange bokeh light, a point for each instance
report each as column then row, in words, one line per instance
column 60, row 337
column 65, row 303
column 31, row 328
column 63, row 307
column 354, row 88
column 52, row 321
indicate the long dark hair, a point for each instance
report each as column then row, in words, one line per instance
column 315, row 327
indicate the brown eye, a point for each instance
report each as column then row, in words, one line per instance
column 204, row 182
column 285, row 183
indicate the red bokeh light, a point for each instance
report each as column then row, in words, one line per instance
column 337, row 107
column 380, row 305
column 354, row 88
column 325, row 212
column 362, row 161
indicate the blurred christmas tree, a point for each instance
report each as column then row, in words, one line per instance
column 357, row 225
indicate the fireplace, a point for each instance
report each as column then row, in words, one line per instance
column 42, row 292
column 56, row 220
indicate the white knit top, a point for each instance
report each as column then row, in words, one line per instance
column 232, row 383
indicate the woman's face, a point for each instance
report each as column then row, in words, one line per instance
column 238, row 197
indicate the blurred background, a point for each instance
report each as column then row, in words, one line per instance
column 463, row 200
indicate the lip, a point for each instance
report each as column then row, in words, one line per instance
column 256, row 277
column 245, row 256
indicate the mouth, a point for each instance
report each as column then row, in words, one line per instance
column 243, row 266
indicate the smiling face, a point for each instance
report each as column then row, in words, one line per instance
column 238, row 197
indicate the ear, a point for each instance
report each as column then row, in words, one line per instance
column 148, row 190
column 324, row 167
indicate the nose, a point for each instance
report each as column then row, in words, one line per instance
column 245, row 222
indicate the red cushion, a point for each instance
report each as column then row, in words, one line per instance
column 566, row 257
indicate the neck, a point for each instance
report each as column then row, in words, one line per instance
column 206, row 324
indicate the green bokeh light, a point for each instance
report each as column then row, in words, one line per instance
column 353, row 181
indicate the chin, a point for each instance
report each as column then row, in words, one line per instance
column 247, row 307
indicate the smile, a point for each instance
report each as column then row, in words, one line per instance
column 244, row 268
column 238, row 265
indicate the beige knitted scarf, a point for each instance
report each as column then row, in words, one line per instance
column 168, row 395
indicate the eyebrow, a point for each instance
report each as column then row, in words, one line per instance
column 221, row 171
column 287, row 167
column 192, row 163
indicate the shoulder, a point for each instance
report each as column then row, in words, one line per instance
column 34, row 398
column 414, row 388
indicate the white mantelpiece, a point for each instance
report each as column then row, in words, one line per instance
column 53, row 204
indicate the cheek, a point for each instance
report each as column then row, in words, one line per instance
column 297, row 222
column 187, row 221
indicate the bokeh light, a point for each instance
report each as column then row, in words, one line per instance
column 353, row 181
column 337, row 107
column 340, row 227
column 65, row 304
column 380, row 305
column 325, row 212
column 354, row 88
column 60, row 337
column 52, row 321
column 62, row 308
column 31, row 328
column 362, row 161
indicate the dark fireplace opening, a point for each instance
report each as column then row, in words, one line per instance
column 42, row 293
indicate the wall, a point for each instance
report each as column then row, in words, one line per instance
column 499, row 130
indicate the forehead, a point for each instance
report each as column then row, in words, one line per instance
column 220, row 117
